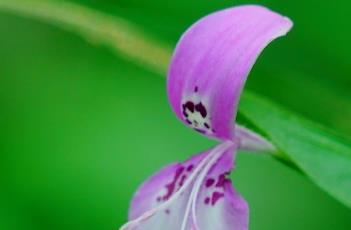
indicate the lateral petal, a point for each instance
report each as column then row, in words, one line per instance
column 165, row 200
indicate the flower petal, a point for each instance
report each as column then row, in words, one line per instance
column 167, row 200
column 161, row 186
column 211, row 62
column 251, row 141
column 218, row 205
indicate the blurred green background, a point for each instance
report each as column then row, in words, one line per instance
column 81, row 127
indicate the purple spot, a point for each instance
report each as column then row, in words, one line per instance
column 185, row 113
column 189, row 168
column 188, row 121
column 181, row 182
column 196, row 89
column 216, row 196
column 200, row 131
column 167, row 211
column 213, row 130
column 158, row 199
column 189, row 105
column 209, row 182
column 171, row 186
column 201, row 109
column 222, row 180
column 206, row 125
column 207, row 200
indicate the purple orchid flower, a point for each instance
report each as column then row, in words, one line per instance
column 206, row 76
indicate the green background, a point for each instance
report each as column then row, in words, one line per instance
column 81, row 128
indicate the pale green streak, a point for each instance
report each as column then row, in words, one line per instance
column 98, row 27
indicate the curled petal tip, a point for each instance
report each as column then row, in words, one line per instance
column 211, row 62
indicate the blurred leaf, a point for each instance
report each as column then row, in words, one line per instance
column 322, row 155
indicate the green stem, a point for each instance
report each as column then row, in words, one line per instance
column 114, row 32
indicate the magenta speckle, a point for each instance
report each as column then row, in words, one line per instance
column 201, row 109
column 216, row 196
column 222, row 180
column 171, row 186
column 181, row 182
column 200, row 131
column 189, row 168
column 188, row 121
column 167, row 211
column 207, row 200
column 185, row 114
column 189, row 105
column 209, row 182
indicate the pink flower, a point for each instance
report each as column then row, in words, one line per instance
column 206, row 76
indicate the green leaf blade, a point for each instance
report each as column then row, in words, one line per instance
column 320, row 154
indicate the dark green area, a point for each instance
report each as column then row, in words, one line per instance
column 81, row 128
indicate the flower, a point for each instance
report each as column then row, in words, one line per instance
column 205, row 79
